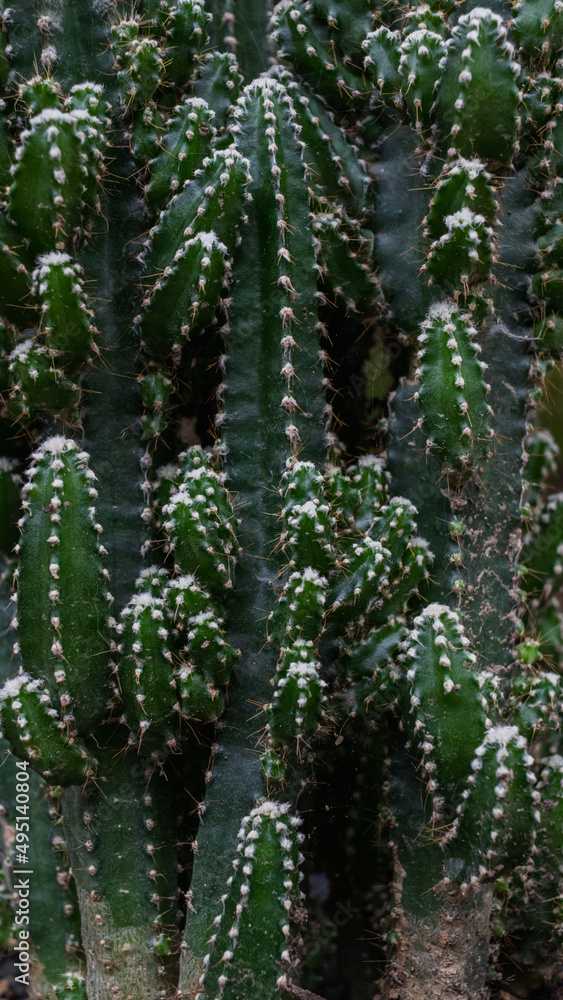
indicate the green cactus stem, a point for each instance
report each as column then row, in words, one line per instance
column 439, row 668
column 62, row 575
column 67, row 326
column 179, row 159
column 254, row 921
column 126, row 898
column 35, row 729
column 453, row 392
column 478, row 54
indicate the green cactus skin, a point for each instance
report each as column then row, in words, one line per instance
column 537, row 939
column 254, row 921
column 188, row 294
column 39, row 734
column 462, row 184
column 138, row 62
column 297, row 40
column 478, row 53
column 208, row 208
column 441, row 677
column 11, row 482
column 495, row 824
column 178, row 159
column 537, row 30
column 200, row 529
column 218, row 82
column 382, row 59
column 421, row 52
column 125, row 901
column 62, row 574
column 51, row 153
column 541, row 454
column 216, row 194
column 145, row 672
column 57, row 283
column 186, row 37
column 342, row 172
column 345, row 269
column 38, row 383
column 542, row 553
column 54, row 914
column 453, row 391
column 73, row 987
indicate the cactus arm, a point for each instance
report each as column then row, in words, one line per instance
column 54, row 906
column 212, row 202
column 259, row 435
column 441, row 935
column 67, row 320
column 188, row 293
column 335, row 167
column 54, row 914
column 494, row 829
column 535, row 949
column 400, row 208
column 111, row 423
column 183, row 148
column 218, row 82
column 484, row 602
column 15, row 265
column 249, row 27
column 186, row 37
column 145, row 673
column 287, row 291
column 452, row 392
column 261, row 892
column 443, row 689
column 40, row 736
column 298, row 38
column 478, row 53
column 416, row 474
column 54, row 923
column 61, row 576
column 421, row 52
column 349, row 19
column 126, row 897
column 541, row 554
column 78, row 32
column 538, row 30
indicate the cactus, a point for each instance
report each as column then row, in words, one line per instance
column 271, row 653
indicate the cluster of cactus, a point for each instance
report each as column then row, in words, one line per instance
column 278, row 655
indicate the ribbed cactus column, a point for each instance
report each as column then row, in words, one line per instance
column 120, row 902
column 470, row 386
column 273, row 406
